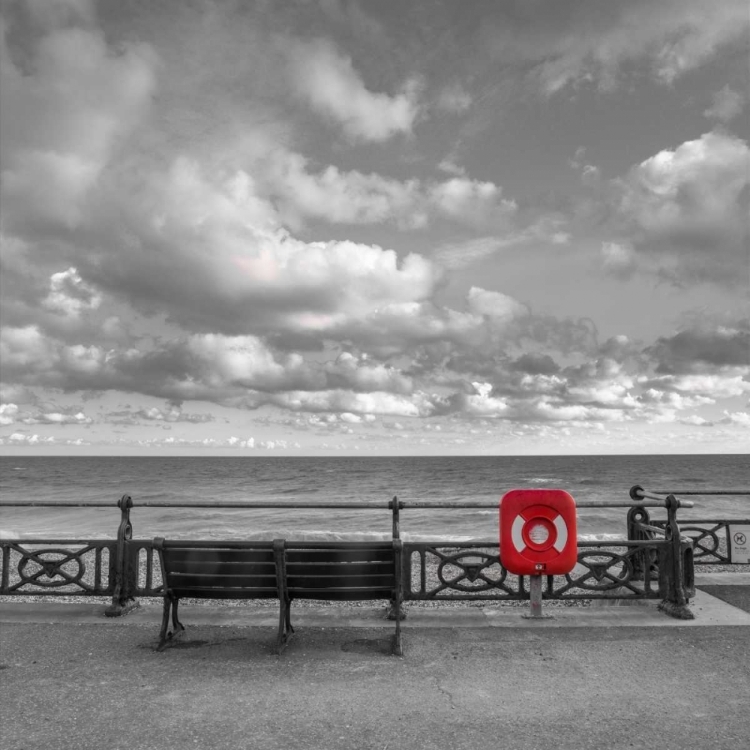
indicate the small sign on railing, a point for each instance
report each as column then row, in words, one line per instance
column 739, row 543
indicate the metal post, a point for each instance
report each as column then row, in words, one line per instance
column 641, row 559
column 535, row 600
column 675, row 603
column 122, row 602
column 395, row 609
column 395, row 506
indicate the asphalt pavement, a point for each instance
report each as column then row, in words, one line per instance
column 600, row 677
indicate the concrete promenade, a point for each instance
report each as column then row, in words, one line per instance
column 594, row 677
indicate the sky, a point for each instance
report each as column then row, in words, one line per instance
column 374, row 228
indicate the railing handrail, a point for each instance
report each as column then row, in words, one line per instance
column 386, row 505
column 637, row 492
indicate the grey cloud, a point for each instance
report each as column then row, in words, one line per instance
column 692, row 351
column 684, row 214
column 536, row 364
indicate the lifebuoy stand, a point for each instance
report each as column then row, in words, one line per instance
column 538, row 537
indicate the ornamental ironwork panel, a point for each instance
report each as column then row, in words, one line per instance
column 612, row 569
column 605, row 570
column 55, row 567
column 440, row 571
column 710, row 539
column 145, row 569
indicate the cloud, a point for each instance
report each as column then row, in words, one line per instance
column 458, row 255
column 8, row 413
column 454, row 98
column 353, row 197
column 171, row 413
column 618, row 260
column 327, row 80
column 585, row 42
column 727, row 104
column 685, row 213
column 69, row 295
column 703, row 349
column 190, row 247
column 62, row 121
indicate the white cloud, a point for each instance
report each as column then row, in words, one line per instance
column 686, row 211
column 69, row 295
column 496, row 305
column 591, row 42
column 737, row 417
column 727, row 104
column 8, row 414
column 61, row 123
column 356, row 198
column 379, row 403
column 463, row 198
column 328, row 81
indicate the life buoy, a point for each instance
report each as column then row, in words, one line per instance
column 541, row 531
column 538, row 532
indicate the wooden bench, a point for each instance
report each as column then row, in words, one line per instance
column 328, row 571
column 217, row 570
column 344, row 571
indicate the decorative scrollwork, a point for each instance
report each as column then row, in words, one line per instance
column 50, row 564
column 705, row 541
column 608, row 570
column 468, row 571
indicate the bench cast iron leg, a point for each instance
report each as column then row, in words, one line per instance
column 170, row 603
column 391, row 610
column 397, row 648
column 397, row 600
column 285, row 625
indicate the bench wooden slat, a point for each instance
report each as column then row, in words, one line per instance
column 381, row 567
column 340, row 594
column 224, row 568
column 183, row 555
column 182, row 579
column 339, row 555
column 198, row 592
column 340, row 580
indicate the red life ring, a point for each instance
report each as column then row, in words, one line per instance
column 541, row 531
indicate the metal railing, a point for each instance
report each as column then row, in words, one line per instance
column 710, row 536
column 655, row 561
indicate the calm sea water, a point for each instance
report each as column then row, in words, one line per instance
column 183, row 480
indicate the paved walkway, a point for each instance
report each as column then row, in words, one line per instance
column 601, row 677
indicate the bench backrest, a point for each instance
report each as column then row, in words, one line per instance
column 340, row 571
column 219, row 570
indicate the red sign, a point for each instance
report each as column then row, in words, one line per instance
column 538, row 533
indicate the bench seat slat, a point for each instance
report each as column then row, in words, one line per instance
column 198, row 592
column 341, row 594
column 339, row 555
column 223, row 568
column 179, row 580
column 341, row 581
column 382, row 567
column 202, row 556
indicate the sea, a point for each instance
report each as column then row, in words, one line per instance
column 182, row 481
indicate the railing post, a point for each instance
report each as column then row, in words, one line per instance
column 678, row 573
column 395, row 507
column 396, row 608
column 124, row 572
column 642, row 558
